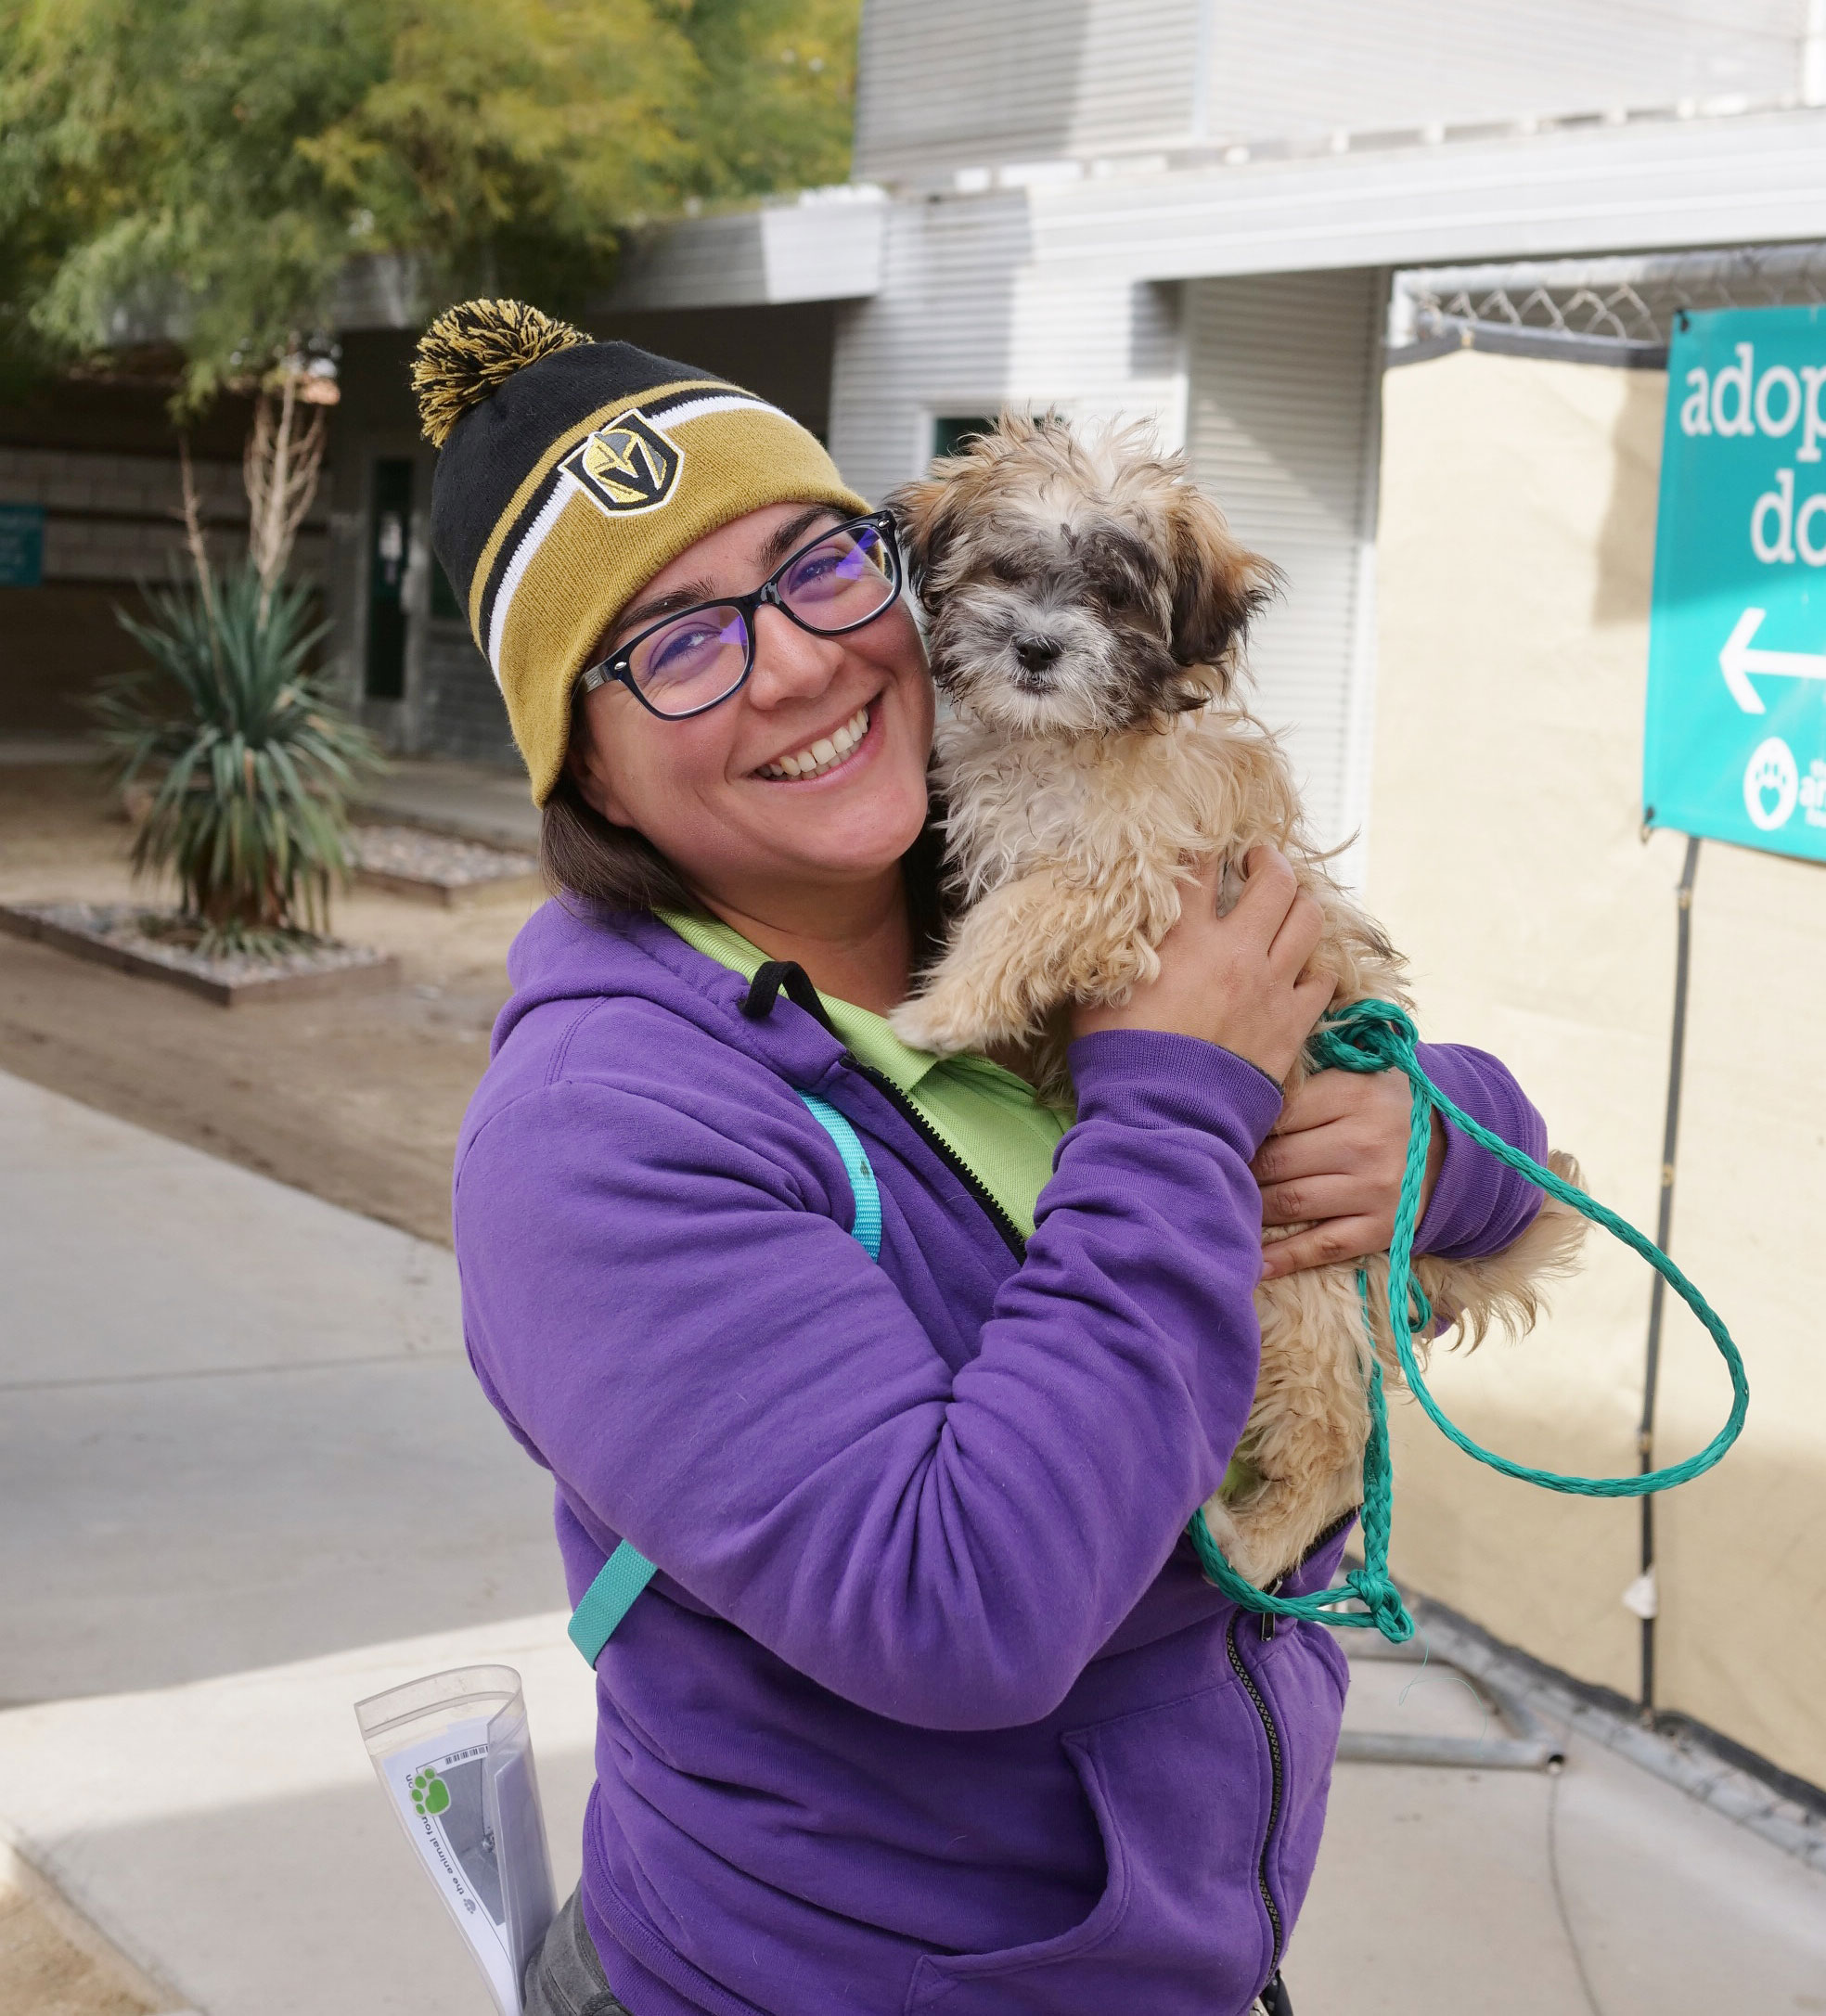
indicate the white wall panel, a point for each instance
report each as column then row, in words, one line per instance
column 966, row 323
column 1137, row 83
column 936, row 340
column 954, row 84
column 956, row 81
column 1293, row 70
column 964, row 83
column 1280, row 425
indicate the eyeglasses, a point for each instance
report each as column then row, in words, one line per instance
column 689, row 662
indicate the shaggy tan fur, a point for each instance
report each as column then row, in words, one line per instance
column 1087, row 609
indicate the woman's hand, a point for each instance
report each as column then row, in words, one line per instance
column 1336, row 1155
column 1239, row 981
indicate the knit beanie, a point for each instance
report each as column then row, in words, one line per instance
column 569, row 473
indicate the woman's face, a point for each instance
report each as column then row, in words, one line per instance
column 700, row 788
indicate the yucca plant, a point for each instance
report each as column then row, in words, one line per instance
column 248, row 757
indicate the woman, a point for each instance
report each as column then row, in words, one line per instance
column 928, row 1701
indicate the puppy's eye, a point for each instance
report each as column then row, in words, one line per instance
column 1114, row 587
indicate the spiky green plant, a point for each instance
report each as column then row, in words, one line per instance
column 250, row 759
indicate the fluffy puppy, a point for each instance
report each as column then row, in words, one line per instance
column 1087, row 609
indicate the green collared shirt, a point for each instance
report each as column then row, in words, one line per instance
column 996, row 1124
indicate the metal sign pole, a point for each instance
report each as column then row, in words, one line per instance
column 1670, row 1138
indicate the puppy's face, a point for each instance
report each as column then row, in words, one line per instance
column 1075, row 587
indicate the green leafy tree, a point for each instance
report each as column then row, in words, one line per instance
column 201, row 173
column 774, row 109
column 204, row 168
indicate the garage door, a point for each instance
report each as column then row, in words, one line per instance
column 1281, row 427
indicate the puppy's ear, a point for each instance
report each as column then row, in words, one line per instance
column 928, row 512
column 934, row 509
column 1218, row 585
column 930, row 515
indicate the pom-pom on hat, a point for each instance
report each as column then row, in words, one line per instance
column 569, row 473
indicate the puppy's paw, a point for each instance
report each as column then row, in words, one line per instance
column 1221, row 1523
column 942, row 1022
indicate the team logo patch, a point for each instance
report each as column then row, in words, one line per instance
column 628, row 466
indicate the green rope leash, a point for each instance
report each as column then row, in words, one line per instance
column 1383, row 1609
column 1376, row 1037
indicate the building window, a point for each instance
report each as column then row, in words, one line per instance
column 952, row 433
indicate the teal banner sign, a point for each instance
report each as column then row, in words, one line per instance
column 21, row 545
column 1735, row 743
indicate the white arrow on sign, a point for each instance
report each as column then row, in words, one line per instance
column 1737, row 662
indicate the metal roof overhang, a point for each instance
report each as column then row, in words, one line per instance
column 1643, row 184
column 825, row 247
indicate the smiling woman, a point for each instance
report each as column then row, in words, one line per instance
column 793, row 809
column 876, row 1392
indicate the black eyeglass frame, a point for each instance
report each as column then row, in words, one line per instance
column 618, row 667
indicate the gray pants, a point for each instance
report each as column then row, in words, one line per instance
column 565, row 1977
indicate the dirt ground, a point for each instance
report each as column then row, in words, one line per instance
column 54, row 1963
column 356, row 1097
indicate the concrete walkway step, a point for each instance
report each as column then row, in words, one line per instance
column 472, row 801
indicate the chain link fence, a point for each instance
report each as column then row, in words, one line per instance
column 1617, row 310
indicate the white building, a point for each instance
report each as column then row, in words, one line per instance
column 1239, row 216
column 1193, row 209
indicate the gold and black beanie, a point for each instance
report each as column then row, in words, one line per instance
column 569, row 473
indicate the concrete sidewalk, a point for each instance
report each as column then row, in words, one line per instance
column 246, row 1477
column 1594, row 1891
column 473, row 801
column 238, row 1426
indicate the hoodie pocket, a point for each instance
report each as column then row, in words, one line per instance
column 1182, row 1794
column 940, row 1976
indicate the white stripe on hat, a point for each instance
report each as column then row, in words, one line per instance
column 696, row 410
column 535, row 535
column 531, row 541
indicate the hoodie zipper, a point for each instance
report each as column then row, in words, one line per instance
column 1271, row 1730
column 1273, row 1735
column 1017, row 1245
column 784, row 976
column 1011, row 1234
column 1264, row 1621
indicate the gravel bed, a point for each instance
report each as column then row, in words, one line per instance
column 122, row 927
column 414, row 856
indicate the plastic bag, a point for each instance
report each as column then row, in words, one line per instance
column 454, row 1757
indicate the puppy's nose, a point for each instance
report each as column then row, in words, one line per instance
column 1035, row 650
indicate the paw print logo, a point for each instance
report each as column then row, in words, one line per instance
column 430, row 1793
column 1771, row 784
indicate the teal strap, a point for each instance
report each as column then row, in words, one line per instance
column 608, row 1598
column 627, row 1570
column 1375, row 1036
column 868, row 1225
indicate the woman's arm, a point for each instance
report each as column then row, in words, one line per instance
column 1339, row 1149
column 660, row 1292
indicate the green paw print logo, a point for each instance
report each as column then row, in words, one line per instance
column 430, row 1793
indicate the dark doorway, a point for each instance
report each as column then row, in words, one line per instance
column 390, row 525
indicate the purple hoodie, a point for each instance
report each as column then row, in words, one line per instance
column 929, row 1702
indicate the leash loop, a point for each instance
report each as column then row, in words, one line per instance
column 1376, row 1037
